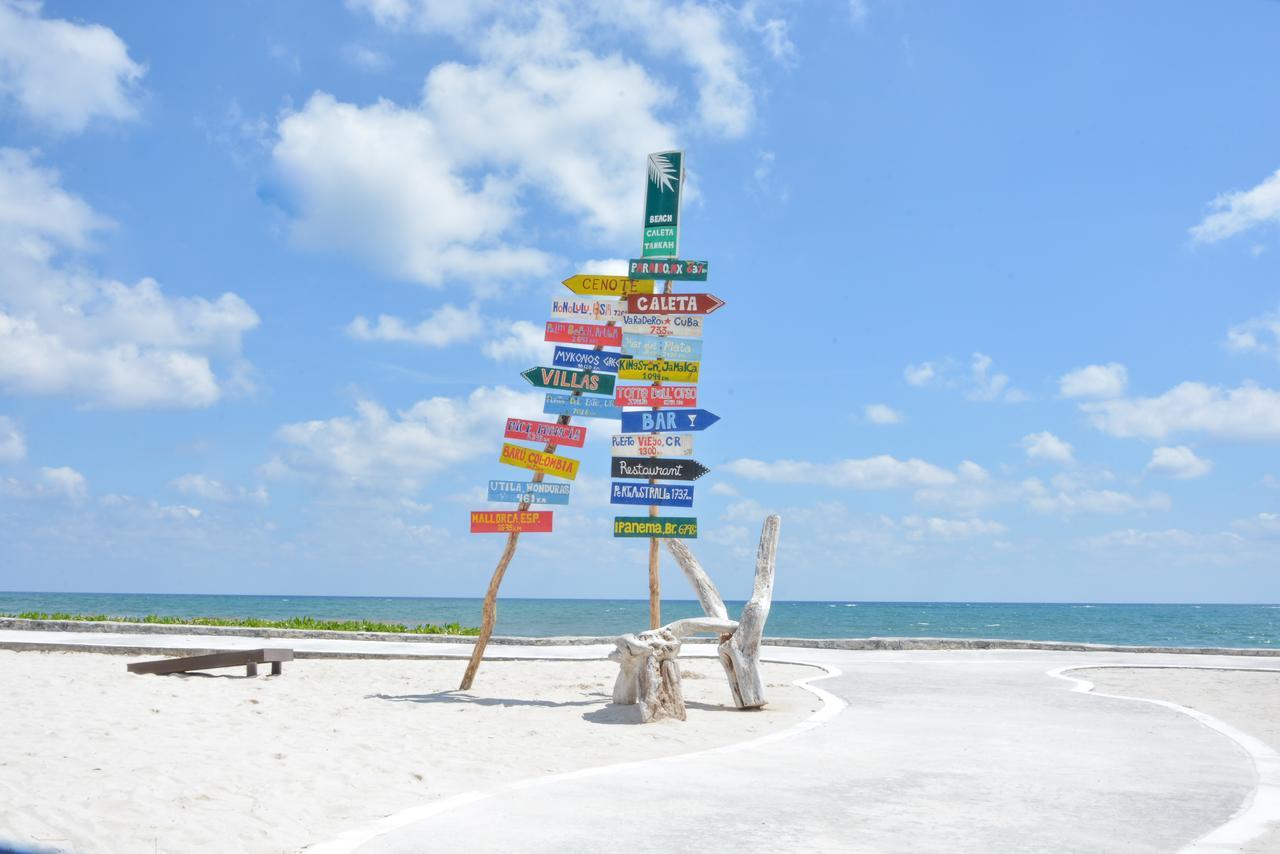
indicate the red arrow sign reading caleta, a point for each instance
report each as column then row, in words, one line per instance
column 673, row 303
column 547, row 432
column 584, row 333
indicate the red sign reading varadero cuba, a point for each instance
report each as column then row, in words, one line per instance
column 673, row 303
column 584, row 333
column 547, row 432
column 656, row 396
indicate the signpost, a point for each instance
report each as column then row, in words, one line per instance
column 583, row 333
column 659, row 494
column 583, row 407
column 583, row 382
column 645, row 469
column 658, row 370
column 546, row 432
column 589, row 360
column 661, row 347
column 656, row 396
column 506, row 521
column 528, row 492
column 674, row 270
column 669, row 421
column 539, row 461
column 607, row 286
column 671, row 527
column 662, row 205
column 673, row 303
column 683, row 325
column 589, row 310
column 652, row 445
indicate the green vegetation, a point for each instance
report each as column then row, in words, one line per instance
column 310, row 623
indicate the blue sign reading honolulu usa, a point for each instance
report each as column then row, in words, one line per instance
column 587, row 360
column 660, row 494
column 518, row 491
column 583, row 406
column 668, row 420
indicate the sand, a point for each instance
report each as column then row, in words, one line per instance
column 94, row 759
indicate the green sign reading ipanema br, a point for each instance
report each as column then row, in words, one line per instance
column 662, row 205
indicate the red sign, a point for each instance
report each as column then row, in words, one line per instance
column 584, row 333
column 507, row 521
column 657, row 396
column 673, row 303
column 547, row 432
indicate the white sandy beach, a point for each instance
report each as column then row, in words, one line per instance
column 94, row 759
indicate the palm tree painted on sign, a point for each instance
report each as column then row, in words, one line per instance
column 662, row 172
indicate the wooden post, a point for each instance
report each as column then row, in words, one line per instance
column 655, row 583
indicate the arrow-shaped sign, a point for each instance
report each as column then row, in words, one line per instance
column 672, row 303
column 607, row 286
column 668, row 421
column 645, row 469
column 583, row 381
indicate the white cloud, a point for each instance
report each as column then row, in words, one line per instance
column 722, row 488
column 1068, row 502
column 1238, row 211
column 1257, row 335
column 63, row 483
column 1180, row 462
column 445, row 326
column 13, row 446
column 64, row 330
column 365, row 57
column 879, row 413
column 1261, row 523
column 521, row 341
column 984, row 384
column 1101, row 381
column 858, row 11
column 921, row 374
column 62, row 74
column 1177, row 540
column 880, row 472
column 213, row 490
column 1044, row 447
column 1248, row 412
column 933, row 527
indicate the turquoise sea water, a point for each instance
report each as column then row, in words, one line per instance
column 1164, row 625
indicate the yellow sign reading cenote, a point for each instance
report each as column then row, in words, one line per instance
column 607, row 286
column 528, row 458
column 656, row 370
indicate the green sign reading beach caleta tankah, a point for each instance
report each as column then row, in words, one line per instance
column 662, row 205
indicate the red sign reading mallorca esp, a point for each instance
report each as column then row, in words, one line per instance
column 508, row 521
column 547, row 432
column 584, row 333
column 656, row 396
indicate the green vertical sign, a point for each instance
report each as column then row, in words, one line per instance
column 662, row 205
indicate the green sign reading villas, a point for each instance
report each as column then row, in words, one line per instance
column 662, row 205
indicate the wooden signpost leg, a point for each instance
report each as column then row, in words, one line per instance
column 655, row 584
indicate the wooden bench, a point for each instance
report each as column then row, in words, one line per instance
column 249, row 658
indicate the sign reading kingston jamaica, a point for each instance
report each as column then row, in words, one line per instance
column 583, row 333
column 590, row 360
column 661, row 347
column 510, row 521
column 524, row 491
column 589, row 310
column 658, row 370
column 682, row 325
column 583, row 381
column 646, row 469
column 655, row 494
column 672, row 527
column 652, row 445
column 528, row 458
column 607, row 286
column 582, row 407
column 673, row 303
column 670, row 421
column 656, row 396
column 547, row 432
column 662, row 205
column 676, row 270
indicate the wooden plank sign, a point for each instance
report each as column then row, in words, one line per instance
column 671, row 527
column 588, row 310
column 546, row 432
column 653, row 445
column 682, row 325
column 607, row 286
column 672, row 269
column 647, row 469
column 651, row 494
column 670, row 421
column 508, row 521
column 528, row 458
column 661, row 347
column 658, row 370
column 672, row 303
column 581, row 406
column 656, row 396
column 600, row 361
column 591, row 334
column 583, row 381
column 521, row 491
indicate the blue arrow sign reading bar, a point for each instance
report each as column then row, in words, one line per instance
column 660, row 494
column 586, row 360
column 584, row 406
column 668, row 420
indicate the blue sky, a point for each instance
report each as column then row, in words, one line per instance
column 1002, row 316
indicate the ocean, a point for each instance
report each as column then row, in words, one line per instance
column 1159, row 625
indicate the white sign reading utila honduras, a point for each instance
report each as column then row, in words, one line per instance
column 662, row 205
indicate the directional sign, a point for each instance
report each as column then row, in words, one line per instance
column 682, row 325
column 652, row 494
column 508, row 521
column 658, row 370
column 528, row 458
column 656, row 396
column 672, row 303
column 675, row 270
column 652, row 445
column 581, row 406
column 662, row 205
column 589, row 310
column 583, row 333
column 524, row 491
column 607, row 286
column 646, row 469
column 583, row 381
column 547, row 432
column 661, row 347
column 599, row 361
column 669, row 421
column 671, row 527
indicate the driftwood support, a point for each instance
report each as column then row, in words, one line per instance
column 648, row 672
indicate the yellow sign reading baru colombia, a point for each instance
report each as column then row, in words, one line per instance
column 607, row 286
column 658, row 370
column 528, row 458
